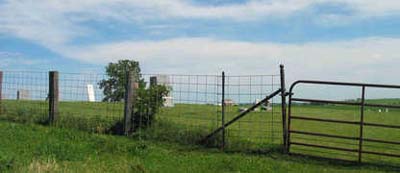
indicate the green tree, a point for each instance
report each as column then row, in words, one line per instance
column 114, row 87
column 148, row 99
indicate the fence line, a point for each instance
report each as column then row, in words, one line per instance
column 191, row 109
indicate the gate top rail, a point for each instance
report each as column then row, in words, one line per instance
column 341, row 83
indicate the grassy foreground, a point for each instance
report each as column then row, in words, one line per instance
column 35, row 148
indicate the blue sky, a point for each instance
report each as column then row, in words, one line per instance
column 354, row 40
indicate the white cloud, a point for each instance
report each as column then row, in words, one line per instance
column 370, row 59
column 17, row 60
column 373, row 7
column 54, row 24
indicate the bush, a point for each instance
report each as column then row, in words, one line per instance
column 148, row 100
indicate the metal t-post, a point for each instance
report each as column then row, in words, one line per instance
column 223, row 111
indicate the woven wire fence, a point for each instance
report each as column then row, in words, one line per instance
column 190, row 111
column 193, row 109
column 24, row 96
column 263, row 126
column 81, row 104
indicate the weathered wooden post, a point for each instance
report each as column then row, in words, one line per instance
column 1, row 92
column 129, row 102
column 283, row 106
column 223, row 105
column 53, row 96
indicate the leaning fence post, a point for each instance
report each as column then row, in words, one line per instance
column 53, row 96
column 129, row 101
column 223, row 111
column 360, row 144
column 1, row 91
column 283, row 106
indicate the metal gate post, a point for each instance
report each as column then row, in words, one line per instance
column 360, row 144
column 223, row 111
column 287, row 147
column 283, row 106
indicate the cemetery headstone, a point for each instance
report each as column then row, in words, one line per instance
column 90, row 93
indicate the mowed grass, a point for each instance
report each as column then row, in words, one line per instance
column 186, row 124
column 35, row 148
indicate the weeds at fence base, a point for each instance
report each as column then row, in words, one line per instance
column 160, row 130
column 168, row 131
column 23, row 115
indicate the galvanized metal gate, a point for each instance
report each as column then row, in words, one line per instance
column 358, row 124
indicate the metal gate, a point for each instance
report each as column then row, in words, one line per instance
column 327, row 140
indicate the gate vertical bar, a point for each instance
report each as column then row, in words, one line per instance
column 283, row 104
column 53, row 96
column 360, row 144
column 1, row 92
column 223, row 111
column 129, row 99
column 287, row 146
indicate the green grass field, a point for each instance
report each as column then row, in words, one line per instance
column 35, row 148
column 254, row 140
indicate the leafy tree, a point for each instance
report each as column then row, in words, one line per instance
column 148, row 99
column 114, row 87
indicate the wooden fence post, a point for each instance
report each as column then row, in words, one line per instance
column 1, row 92
column 283, row 104
column 53, row 96
column 129, row 102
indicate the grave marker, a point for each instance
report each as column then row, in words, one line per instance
column 90, row 93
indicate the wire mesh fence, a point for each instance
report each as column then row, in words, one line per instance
column 189, row 110
column 261, row 127
column 24, row 96
column 81, row 104
column 193, row 108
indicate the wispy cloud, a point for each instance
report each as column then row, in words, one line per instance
column 55, row 23
column 17, row 60
column 360, row 59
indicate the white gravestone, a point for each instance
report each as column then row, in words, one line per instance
column 165, row 81
column 90, row 92
column 23, row 94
